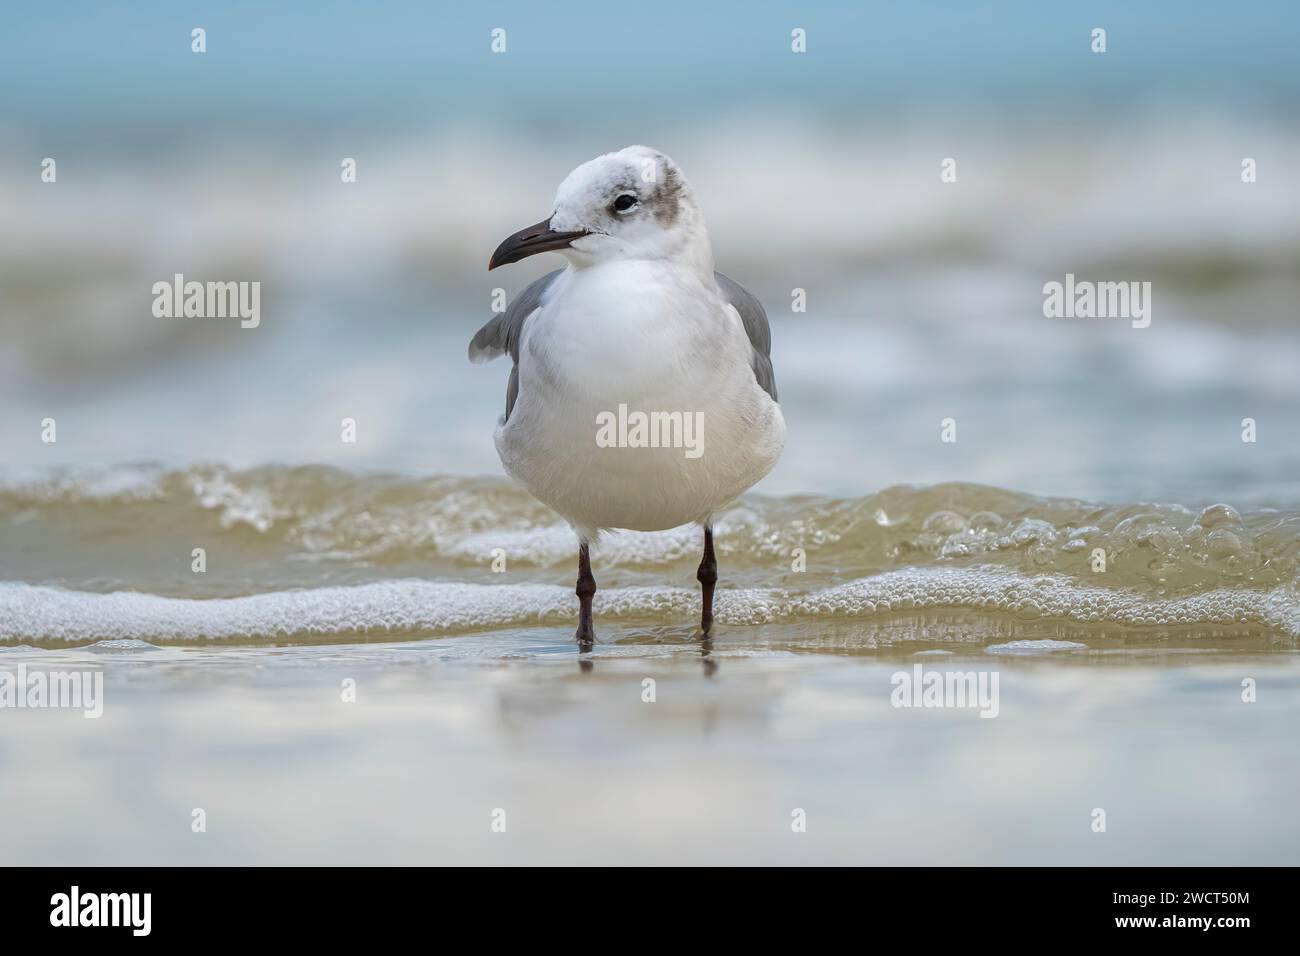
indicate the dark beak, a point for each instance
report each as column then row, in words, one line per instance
column 530, row 241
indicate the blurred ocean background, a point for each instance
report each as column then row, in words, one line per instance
column 816, row 171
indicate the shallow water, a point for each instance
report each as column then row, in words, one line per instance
column 444, row 733
column 1124, row 690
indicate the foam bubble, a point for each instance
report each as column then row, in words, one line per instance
column 31, row 612
column 1034, row 647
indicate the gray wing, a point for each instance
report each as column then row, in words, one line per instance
column 756, row 327
column 501, row 336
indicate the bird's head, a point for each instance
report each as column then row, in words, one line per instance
column 633, row 204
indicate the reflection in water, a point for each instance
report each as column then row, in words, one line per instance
column 443, row 731
column 706, row 653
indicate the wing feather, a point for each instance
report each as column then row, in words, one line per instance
column 756, row 327
column 502, row 334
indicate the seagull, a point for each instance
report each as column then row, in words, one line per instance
column 642, row 395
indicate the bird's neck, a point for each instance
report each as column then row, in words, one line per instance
column 696, row 254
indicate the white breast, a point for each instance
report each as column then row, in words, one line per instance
column 651, row 339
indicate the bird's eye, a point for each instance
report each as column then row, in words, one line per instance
column 624, row 202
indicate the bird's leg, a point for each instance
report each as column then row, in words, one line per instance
column 707, row 575
column 586, row 590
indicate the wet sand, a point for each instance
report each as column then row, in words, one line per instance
column 742, row 733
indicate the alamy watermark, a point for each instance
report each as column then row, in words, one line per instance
column 946, row 689
column 1098, row 300
column 179, row 299
column 624, row 429
column 21, row 689
column 130, row 910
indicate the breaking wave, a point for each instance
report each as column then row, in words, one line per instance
column 312, row 553
column 34, row 613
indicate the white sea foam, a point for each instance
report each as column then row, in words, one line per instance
column 32, row 612
column 1034, row 647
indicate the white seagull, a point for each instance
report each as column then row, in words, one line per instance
column 638, row 330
